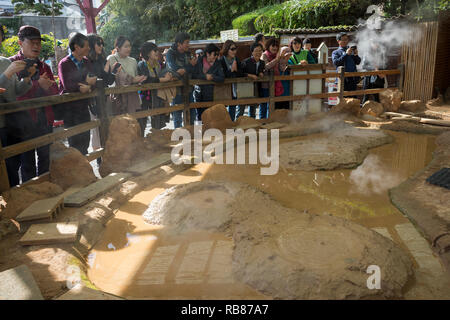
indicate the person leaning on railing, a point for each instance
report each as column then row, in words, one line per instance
column 97, row 59
column 127, row 75
column 285, row 53
column 75, row 75
column 232, row 68
column 150, row 67
column 208, row 67
column 253, row 67
column 35, row 122
column 11, row 88
column 299, row 55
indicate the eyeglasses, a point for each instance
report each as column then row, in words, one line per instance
column 233, row 49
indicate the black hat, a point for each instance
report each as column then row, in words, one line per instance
column 29, row 32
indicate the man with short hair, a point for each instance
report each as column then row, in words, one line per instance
column 74, row 75
column 348, row 58
column 180, row 62
column 11, row 88
column 35, row 122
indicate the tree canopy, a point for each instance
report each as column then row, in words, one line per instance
column 37, row 6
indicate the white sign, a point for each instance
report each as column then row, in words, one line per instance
column 229, row 35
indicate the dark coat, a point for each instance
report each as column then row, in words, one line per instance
column 228, row 73
column 98, row 68
column 249, row 66
column 206, row 92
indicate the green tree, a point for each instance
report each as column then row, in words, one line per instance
column 37, row 6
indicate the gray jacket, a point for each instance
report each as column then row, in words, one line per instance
column 13, row 87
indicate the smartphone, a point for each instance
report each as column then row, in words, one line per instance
column 116, row 67
column 353, row 47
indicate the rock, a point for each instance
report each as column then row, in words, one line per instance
column 123, row 146
column 279, row 251
column 368, row 117
column 391, row 99
column 412, row 105
column 347, row 105
column 160, row 137
column 439, row 101
column 373, row 108
column 68, row 167
column 342, row 148
column 7, row 227
column 280, row 115
column 19, row 198
column 244, row 120
column 217, row 117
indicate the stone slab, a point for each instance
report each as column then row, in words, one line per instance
column 273, row 125
column 42, row 209
column 94, row 190
column 18, row 284
column 150, row 164
column 80, row 292
column 50, row 233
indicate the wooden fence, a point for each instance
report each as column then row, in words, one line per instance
column 105, row 116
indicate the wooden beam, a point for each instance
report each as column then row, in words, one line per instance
column 31, row 144
column 143, row 87
column 154, row 112
column 371, row 73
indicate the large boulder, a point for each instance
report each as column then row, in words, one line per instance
column 217, row 117
column 68, row 167
column 412, row 105
column 391, row 99
column 123, row 146
column 19, row 198
column 244, row 121
column 280, row 115
column 347, row 105
column 372, row 108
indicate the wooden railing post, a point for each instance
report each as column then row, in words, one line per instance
column 186, row 91
column 341, row 72
column 401, row 67
column 271, row 92
column 4, row 181
column 100, row 100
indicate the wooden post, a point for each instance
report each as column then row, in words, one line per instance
column 4, row 181
column 324, row 85
column 186, row 91
column 341, row 72
column 271, row 92
column 291, row 89
column 401, row 67
column 100, row 100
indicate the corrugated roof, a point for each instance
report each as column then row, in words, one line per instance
column 335, row 29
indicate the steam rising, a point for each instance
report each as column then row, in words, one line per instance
column 373, row 177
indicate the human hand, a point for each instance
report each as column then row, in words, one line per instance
column 181, row 72
column 14, row 68
column 31, row 71
column 91, row 80
column 209, row 76
column 139, row 79
column 261, row 75
column 84, row 88
column 234, row 66
column 355, row 52
column 2, row 90
column 253, row 76
column 167, row 77
column 44, row 82
column 303, row 62
column 349, row 51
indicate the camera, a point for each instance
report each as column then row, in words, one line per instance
column 24, row 73
column 353, row 47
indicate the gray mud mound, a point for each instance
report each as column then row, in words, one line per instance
column 291, row 255
column 192, row 207
column 342, row 148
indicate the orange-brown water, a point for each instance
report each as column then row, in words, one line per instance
column 134, row 260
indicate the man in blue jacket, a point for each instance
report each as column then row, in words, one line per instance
column 179, row 62
column 348, row 58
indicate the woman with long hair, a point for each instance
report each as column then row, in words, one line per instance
column 127, row 75
column 150, row 67
column 299, row 55
column 232, row 68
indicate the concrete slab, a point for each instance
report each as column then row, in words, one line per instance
column 42, row 209
column 80, row 292
column 92, row 191
column 148, row 165
column 50, row 233
column 18, row 284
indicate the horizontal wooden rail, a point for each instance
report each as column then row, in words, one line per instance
column 31, row 144
column 371, row 73
column 193, row 82
column 232, row 102
column 154, row 112
column 95, row 154
column 35, row 103
column 142, row 87
column 367, row 91
column 308, row 76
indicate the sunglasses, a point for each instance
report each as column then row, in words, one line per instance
column 233, row 49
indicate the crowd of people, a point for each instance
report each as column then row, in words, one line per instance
column 24, row 76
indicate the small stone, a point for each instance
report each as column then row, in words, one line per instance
column 372, row 108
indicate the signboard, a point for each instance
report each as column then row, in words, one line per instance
column 229, row 35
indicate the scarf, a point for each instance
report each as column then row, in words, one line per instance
column 206, row 65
